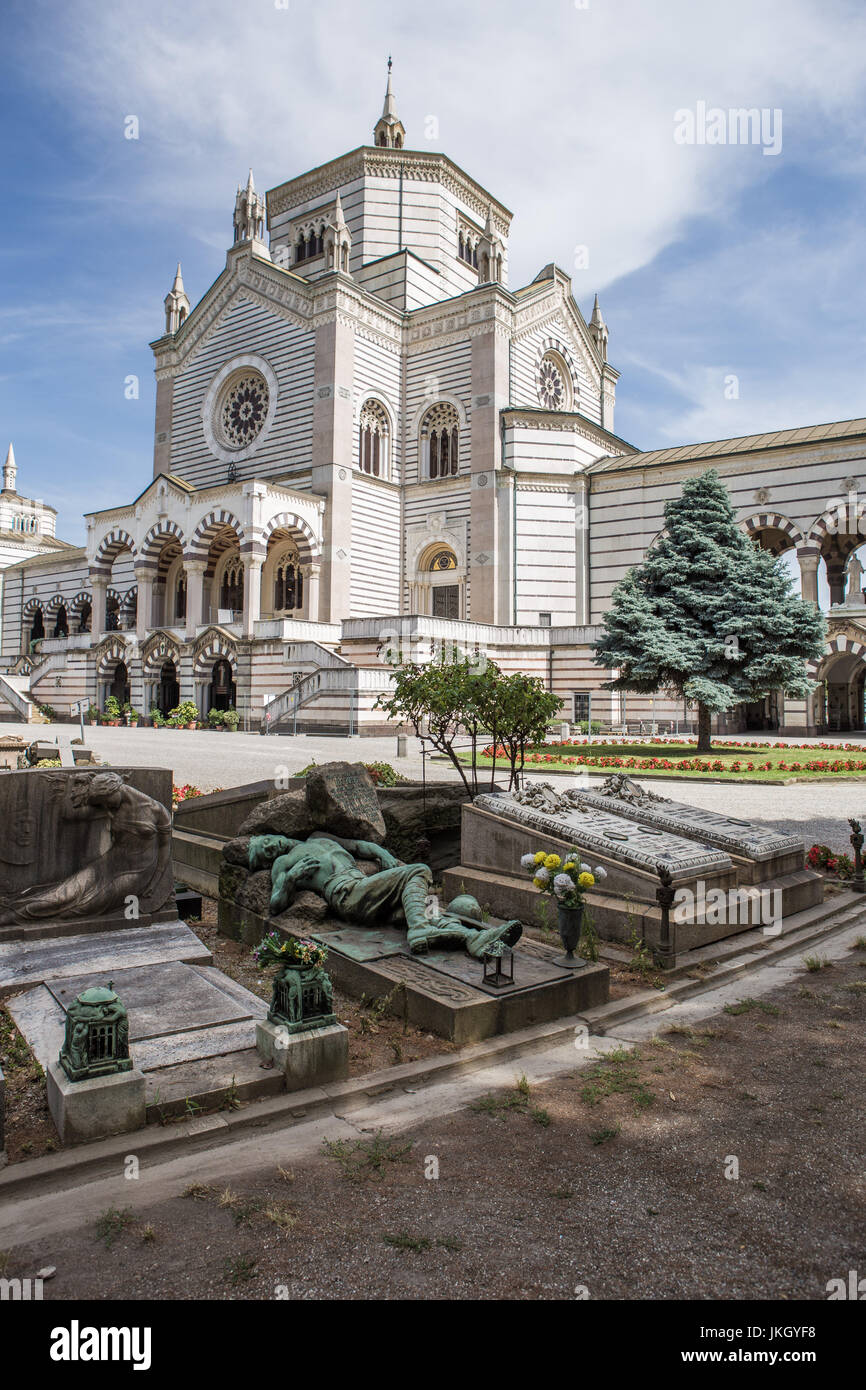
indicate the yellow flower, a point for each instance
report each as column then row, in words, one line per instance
column 539, row 883
column 552, row 861
column 540, row 857
column 586, row 880
column 569, row 865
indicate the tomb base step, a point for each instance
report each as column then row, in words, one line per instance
column 210, row 1083
column 617, row 918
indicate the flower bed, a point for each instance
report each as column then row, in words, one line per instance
column 753, row 761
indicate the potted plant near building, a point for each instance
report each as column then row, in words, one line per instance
column 216, row 718
column 111, row 713
column 231, row 719
column 92, row 715
column 131, row 716
column 157, row 718
column 184, row 715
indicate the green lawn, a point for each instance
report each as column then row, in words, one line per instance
column 791, row 763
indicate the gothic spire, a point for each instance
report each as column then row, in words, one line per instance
column 9, row 470
column 598, row 329
column 389, row 132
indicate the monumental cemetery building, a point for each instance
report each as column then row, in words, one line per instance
column 366, row 440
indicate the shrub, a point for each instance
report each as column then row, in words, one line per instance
column 382, row 774
column 184, row 713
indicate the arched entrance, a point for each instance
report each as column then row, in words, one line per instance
column 61, row 622
column 119, row 687
column 169, row 688
column 37, row 627
column 838, row 700
column 221, row 691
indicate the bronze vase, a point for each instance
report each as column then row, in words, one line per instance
column 570, row 921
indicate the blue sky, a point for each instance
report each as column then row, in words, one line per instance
column 711, row 260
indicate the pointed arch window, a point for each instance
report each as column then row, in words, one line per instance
column 232, row 585
column 440, row 441
column 288, row 583
column 374, row 436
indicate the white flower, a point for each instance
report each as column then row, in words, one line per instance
column 585, row 869
column 542, row 874
column 599, row 871
column 562, row 884
column 528, row 861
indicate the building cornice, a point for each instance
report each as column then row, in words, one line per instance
column 564, row 421
column 423, row 166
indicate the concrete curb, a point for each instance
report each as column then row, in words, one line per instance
column 156, row 1144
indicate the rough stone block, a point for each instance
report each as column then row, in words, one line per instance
column 342, row 799
column 311, row 1058
column 83, row 1110
column 288, row 815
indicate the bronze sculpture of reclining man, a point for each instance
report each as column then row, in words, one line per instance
column 325, row 864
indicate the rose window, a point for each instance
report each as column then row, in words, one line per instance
column 244, row 410
column 551, row 385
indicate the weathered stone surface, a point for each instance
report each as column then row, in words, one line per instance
column 81, row 845
column 232, row 879
column 83, row 1110
column 2, row 1118
column 288, row 815
column 255, row 892
column 341, row 798
column 308, row 909
column 238, row 851
column 311, row 1058
column 423, row 823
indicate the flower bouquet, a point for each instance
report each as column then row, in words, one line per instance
column 298, row 951
column 566, row 882
column 302, row 996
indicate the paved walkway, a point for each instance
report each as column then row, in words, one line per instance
column 208, row 759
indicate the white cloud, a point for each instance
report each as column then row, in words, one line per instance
column 566, row 114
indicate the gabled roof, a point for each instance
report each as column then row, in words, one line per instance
column 740, row 444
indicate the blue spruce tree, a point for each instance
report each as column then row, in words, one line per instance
column 708, row 615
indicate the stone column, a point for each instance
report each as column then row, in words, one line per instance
column 98, row 589
column 158, row 615
column 580, row 488
column 489, row 395
column 195, row 571
column 333, row 450
column 144, row 607
column 252, row 592
column 312, row 578
column 809, row 558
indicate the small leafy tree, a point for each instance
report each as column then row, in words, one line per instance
column 708, row 615
column 519, row 712
column 459, row 699
column 448, row 697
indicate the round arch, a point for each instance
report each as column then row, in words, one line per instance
column 110, row 547
column 208, row 529
column 301, row 532
column 787, row 533
column 156, row 538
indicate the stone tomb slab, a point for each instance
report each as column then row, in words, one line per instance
column 759, row 850
column 497, row 831
column 160, row 999
column 444, row 991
